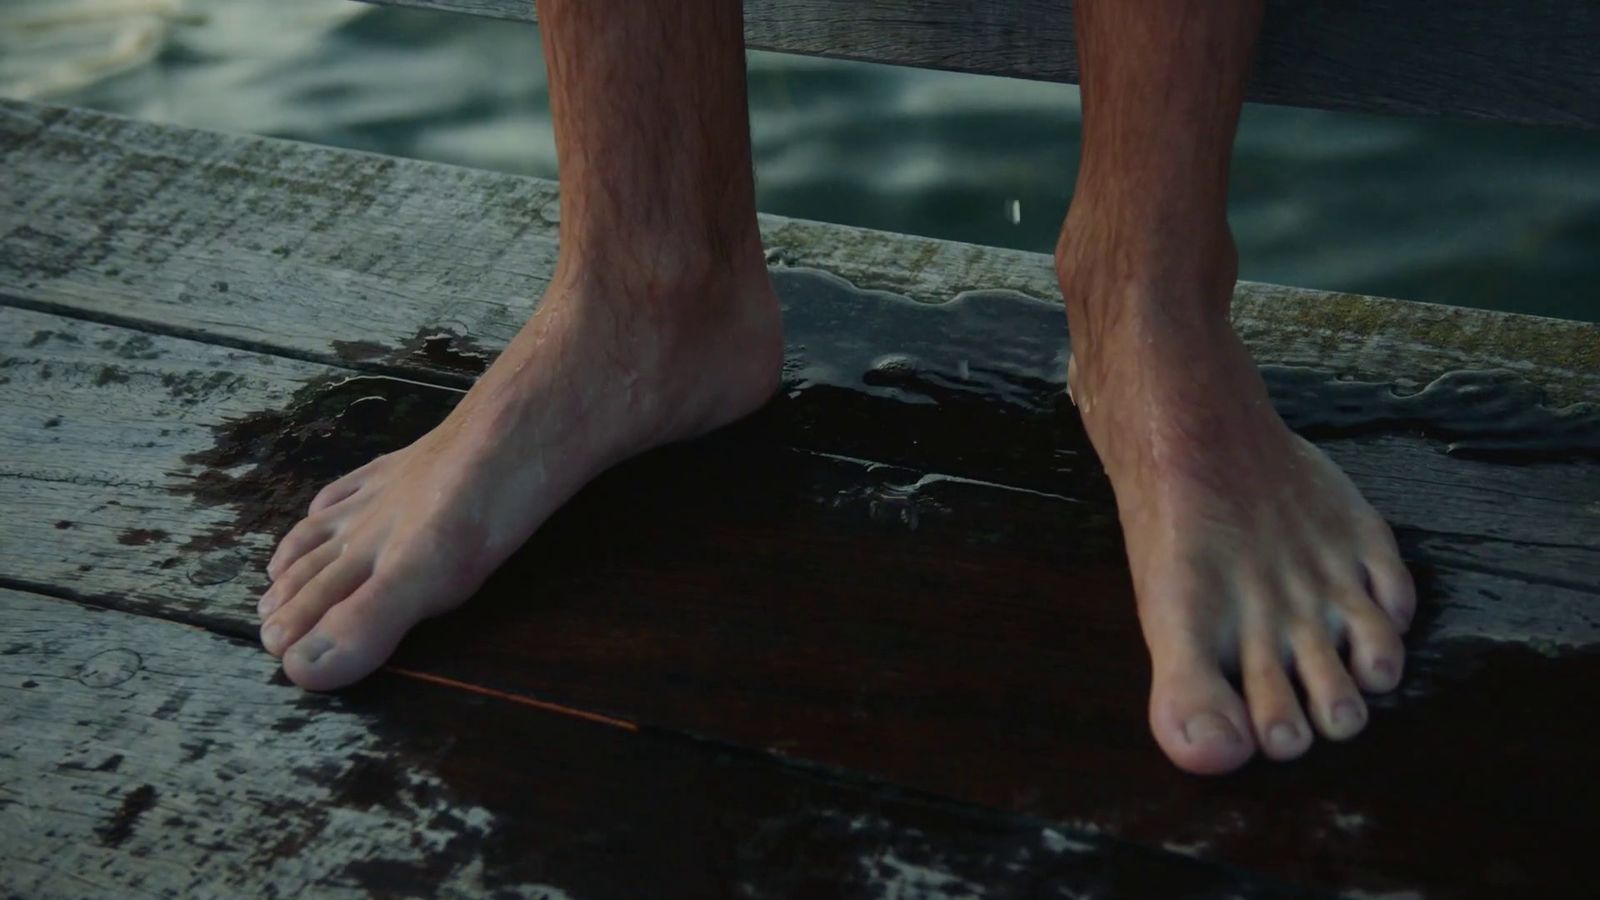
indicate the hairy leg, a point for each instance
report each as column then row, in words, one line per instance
column 659, row 324
column 1250, row 550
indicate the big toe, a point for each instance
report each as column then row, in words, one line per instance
column 349, row 643
column 1199, row 720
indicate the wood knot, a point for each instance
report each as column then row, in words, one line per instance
column 109, row 667
column 216, row 568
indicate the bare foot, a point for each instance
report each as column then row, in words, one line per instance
column 1251, row 551
column 600, row 373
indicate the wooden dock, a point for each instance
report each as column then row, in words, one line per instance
column 877, row 641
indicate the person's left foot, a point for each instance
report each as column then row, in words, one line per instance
column 1249, row 549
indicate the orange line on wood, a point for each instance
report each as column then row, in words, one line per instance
column 516, row 698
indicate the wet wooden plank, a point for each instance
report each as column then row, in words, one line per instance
column 1537, row 522
column 140, row 757
column 901, row 600
column 352, row 258
column 1529, row 62
column 190, row 234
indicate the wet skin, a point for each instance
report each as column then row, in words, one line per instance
column 1260, row 559
column 413, row 533
column 1254, row 558
column 1249, row 549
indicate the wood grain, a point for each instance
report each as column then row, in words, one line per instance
column 140, row 757
column 349, row 258
column 1530, row 63
column 931, row 594
column 757, row 588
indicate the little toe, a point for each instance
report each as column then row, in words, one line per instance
column 1376, row 654
column 1393, row 588
column 352, row 640
column 292, row 579
column 1199, row 719
column 1280, row 725
column 1334, row 702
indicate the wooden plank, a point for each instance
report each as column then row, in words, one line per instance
column 763, row 588
column 135, row 223
column 1531, row 62
column 140, row 757
column 348, row 258
column 97, row 406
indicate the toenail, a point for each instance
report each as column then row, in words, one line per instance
column 1386, row 671
column 1283, row 736
column 1207, row 727
column 312, row 648
column 1347, row 713
column 272, row 636
column 268, row 602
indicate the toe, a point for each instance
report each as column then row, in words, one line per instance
column 1376, row 654
column 1280, row 726
column 1199, row 719
column 1392, row 587
column 343, row 488
column 293, row 578
column 352, row 640
column 307, row 535
column 307, row 607
column 1333, row 701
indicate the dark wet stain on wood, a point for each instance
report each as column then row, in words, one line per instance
column 368, row 781
column 722, row 587
column 190, row 387
column 110, row 375
column 135, row 537
column 122, row 823
column 603, row 813
column 440, row 350
column 285, row 455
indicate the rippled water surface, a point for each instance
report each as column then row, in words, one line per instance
column 1468, row 214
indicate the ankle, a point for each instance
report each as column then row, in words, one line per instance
column 660, row 264
column 690, row 337
column 1184, row 261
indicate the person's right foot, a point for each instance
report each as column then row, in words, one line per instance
column 603, row 371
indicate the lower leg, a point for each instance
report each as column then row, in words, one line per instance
column 1248, row 548
column 659, row 324
column 652, row 134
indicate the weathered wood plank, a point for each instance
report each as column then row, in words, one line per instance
column 759, row 588
column 335, row 257
column 97, row 408
column 340, row 257
column 1530, row 62
column 140, row 757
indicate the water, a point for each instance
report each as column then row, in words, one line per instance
column 1468, row 214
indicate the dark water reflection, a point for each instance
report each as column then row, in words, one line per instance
column 1476, row 215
